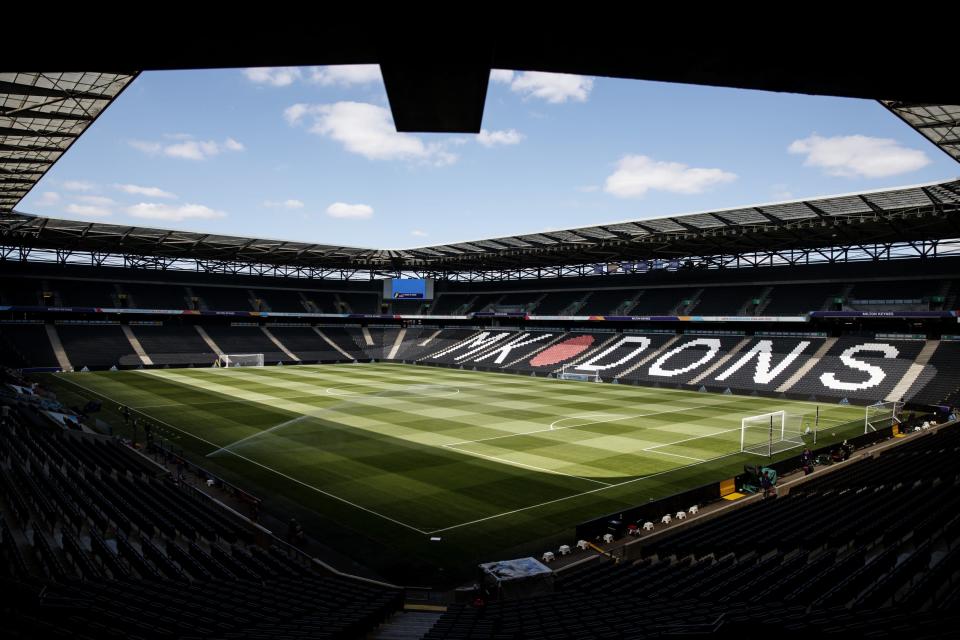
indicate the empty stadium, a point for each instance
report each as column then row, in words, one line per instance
column 560, row 434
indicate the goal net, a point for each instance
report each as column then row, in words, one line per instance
column 567, row 373
column 881, row 415
column 239, row 360
column 768, row 434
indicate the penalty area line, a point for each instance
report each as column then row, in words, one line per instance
column 263, row 466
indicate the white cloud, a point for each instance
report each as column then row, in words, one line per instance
column 100, row 201
column 188, row 148
column 158, row 211
column 150, row 192
column 418, row 233
column 88, row 210
column 346, row 74
column 504, row 76
column 552, row 87
column 233, row 145
column 286, row 204
column 367, row 130
column 635, row 175
column 504, row 137
column 48, row 199
column 151, row 148
column 79, row 185
column 858, row 156
column 274, row 76
column 781, row 191
column 352, row 211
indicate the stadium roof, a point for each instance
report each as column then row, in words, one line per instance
column 917, row 213
column 939, row 123
column 41, row 115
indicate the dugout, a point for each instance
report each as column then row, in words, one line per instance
column 520, row 578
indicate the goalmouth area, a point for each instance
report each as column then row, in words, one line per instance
column 377, row 459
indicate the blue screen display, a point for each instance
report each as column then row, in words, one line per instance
column 409, row 289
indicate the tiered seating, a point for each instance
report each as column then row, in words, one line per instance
column 322, row 301
column 871, row 549
column 798, row 299
column 246, row 340
column 406, row 307
column 85, row 293
column 173, row 344
column 556, row 302
column 449, row 303
column 607, row 302
column 20, row 291
column 765, row 376
column 96, row 346
column 156, row 296
column 940, row 381
column 361, row 302
column 30, row 343
column 550, row 355
column 223, row 298
column 120, row 551
column 281, row 300
column 726, row 301
column 349, row 339
column 679, row 364
column 831, row 377
column 483, row 302
column 660, row 302
column 305, row 342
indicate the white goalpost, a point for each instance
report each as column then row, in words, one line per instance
column 566, row 373
column 881, row 414
column 770, row 433
column 239, row 360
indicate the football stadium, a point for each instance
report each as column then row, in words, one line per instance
column 737, row 420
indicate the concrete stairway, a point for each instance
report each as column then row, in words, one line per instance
column 407, row 625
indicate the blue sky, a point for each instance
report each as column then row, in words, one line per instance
column 310, row 154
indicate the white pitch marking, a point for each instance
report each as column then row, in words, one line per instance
column 272, row 470
column 522, row 464
column 551, row 427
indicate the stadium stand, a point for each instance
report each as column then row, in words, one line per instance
column 172, row 344
column 728, row 301
column 20, row 291
column 246, row 339
column 306, row 343
column 872, row 369
column 29, row 343
column 940, row 381
column 102, row 543
column 95, row 346
column 661, row 301
column 281, row 300
column 223, row 298
column 871, row 548
column 796, row 299
column 557, row 303
column 85, row 293
column 613, row 302
column 360, row 302
column 155, row 296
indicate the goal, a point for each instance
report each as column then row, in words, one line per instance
column 881, row 415
column 770, row 433
column 239, row 360
column 567, row 374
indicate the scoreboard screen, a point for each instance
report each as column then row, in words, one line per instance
column 408, row 289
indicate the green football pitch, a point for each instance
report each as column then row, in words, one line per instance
column 380, row 458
